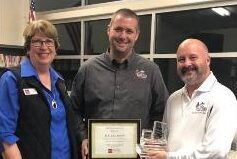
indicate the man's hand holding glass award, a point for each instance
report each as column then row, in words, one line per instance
column 153, row 140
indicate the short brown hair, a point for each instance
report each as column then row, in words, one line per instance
column 127, row 13
column 40, row 26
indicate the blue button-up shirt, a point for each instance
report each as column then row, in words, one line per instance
column 9, row 109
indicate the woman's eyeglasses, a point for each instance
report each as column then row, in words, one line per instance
column 39, row 43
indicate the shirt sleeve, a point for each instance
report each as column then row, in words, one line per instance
column 159, row 95
column 77, row 96
column 77, row 92
column 9, row 108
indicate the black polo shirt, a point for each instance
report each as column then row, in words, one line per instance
column 105, row 89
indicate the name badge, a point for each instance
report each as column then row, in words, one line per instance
column 30, row 91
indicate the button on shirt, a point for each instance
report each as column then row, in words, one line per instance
column 9, row 108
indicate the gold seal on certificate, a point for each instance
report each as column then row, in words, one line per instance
column 116, row 138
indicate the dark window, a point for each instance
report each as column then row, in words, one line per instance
column 218, row 32
column 67, row 68
column 69, row 38
column 47, row 5
column 96, row 39
column 225, row 70
column 168, row 70
column 143, row 44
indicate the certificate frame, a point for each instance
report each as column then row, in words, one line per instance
column 113, row 138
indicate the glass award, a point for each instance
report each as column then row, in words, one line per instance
column 153, row 140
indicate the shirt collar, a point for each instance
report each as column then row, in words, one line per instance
column 28, row 70
column 208, row 83
column 113, row 62
column 206, row 86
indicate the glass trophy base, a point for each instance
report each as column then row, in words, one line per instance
column 154, row 146
column 140, row 152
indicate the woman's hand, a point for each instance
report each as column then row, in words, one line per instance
column 84, row 149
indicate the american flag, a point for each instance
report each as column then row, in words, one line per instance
column 32, row 15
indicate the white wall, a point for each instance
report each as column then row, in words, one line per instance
column 13, row 18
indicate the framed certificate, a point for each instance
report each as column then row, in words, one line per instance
column 115, row 139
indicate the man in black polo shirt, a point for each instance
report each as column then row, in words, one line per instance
column 119, row 84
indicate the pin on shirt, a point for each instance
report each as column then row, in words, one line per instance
column 30, row 91
column 54, row 104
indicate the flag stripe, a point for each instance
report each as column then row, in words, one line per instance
column 32, row 15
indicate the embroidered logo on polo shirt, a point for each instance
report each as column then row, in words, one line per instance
column 141, row 74
column 200, row 108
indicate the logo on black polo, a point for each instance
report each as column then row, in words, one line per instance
column 141, row 74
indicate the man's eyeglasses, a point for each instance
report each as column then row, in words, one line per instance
column 39, row 43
